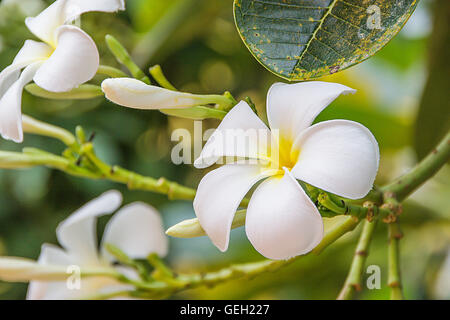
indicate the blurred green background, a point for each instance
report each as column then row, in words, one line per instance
column 403, row 98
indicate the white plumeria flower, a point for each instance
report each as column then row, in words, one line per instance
column 66, row 58
column 338, row 156
column 136, row 229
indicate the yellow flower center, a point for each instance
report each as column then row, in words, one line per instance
column 282, row 155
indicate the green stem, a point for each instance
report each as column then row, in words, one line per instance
column 136, row 181
column 122, row 56
column 31, row 125
column 354, row 278
column 335, row 233
column 106, row 296
column 111, row 72
column 123, row 258
column 162, row 270
column 28, row 159
column 196, row 113
column 394, row 278
column 16, row 160
column 182, row 282
column 339, row 206
column 158, row 75
column 83, row 92
column 402, row 187
column 152, row 41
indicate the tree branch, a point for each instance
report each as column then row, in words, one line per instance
column 158, row 289
column 354, row 278
column 394, row 279
column 402, row 187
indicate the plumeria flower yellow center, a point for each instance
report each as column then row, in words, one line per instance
column 66, row 58
column 136, row 229
column 338, row 156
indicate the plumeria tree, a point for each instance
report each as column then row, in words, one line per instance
column 280, row 176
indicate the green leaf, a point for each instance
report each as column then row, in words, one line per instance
column 303, row 39
column 432, row 121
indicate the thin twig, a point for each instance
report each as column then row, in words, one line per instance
column 394, row 278
column 402, row 187
column 354, row 278
column 182, row 282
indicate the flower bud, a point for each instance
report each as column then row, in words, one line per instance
column 23, row 270
column 34, row 126
column 191, row 228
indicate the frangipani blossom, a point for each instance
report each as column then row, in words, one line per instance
column 136, row 229
column 338, row 156
column 66, row 58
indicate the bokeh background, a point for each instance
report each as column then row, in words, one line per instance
column 403, row 97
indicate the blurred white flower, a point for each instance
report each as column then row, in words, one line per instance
column 338, row 156
column 65, row 59
column 136, row 229
column 28, row 7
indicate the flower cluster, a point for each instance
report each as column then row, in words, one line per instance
column 66, row 58
column 136, row 229
column 273, row 163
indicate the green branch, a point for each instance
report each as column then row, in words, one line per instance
column 83, row 92
column 123, row 57
column 111, row 72
column 354, row 278
column 394, row 278
column 402, row 187
column 158, row 289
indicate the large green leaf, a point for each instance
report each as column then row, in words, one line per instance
column 302, row 39
column 433, row 119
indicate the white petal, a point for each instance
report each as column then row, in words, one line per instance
column 44, row 25
column 136, row 94
column 137, row 230
column 338, row 156
column 58, row 290
column 50, row 254
column 282, row 222
column 44, row 290
column 75, row 8
column 291, row 108
column 77, row 234
column 31, row 51
column 11, row 105
column 240, row 134
column 218, row 197
column 74, row 61
column 8, row 76
column 11, row 87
